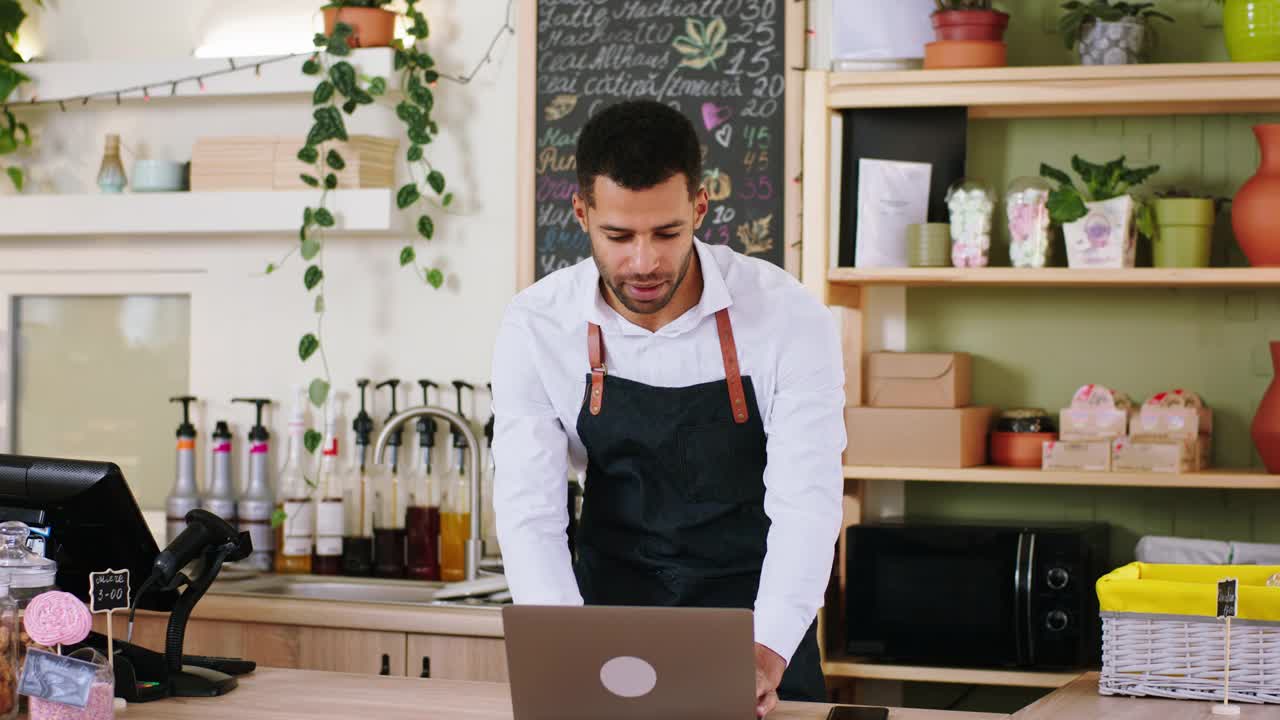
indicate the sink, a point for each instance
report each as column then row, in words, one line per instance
column 486, row 592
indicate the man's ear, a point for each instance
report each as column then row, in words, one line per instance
column 580, row 211
column 701, row 204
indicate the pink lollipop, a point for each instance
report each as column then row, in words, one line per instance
column 57, row 618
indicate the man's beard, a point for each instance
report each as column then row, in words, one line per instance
column 652, row 306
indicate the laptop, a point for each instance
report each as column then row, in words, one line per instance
column 630, row 663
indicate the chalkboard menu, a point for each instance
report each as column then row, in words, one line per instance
column 720, row 62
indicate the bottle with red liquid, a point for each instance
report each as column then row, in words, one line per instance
column 422, row 519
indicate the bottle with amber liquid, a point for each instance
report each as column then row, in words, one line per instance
column 330, row 511
column 295, row 516
column 455, row 509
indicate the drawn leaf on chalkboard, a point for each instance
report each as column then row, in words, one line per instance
column 560, row 107
column 702, row 44
column 756, row 236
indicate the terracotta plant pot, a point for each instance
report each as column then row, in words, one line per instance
column 1253, row 213
column 953, row 54
column 987, row 25
column 371, row 27
column 1019, row 449
column 1266, row 422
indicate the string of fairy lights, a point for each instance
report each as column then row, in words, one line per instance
column 149, row 89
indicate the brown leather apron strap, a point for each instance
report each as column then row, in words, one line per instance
column 728, row 352
column 595, row 352
column 732, row 375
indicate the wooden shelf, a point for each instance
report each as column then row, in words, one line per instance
column 1057, row 277
column 1069, row 90
column 73, row 79
column 866, row 670
column 1212, row 479
column 190, row 213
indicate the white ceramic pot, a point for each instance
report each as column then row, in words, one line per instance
column 1106, row 237
column 1112, row 43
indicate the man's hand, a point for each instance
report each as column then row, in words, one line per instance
column 769, row 669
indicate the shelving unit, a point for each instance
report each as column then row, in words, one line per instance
column 1036, row 92
column 190, row 213
column 860, row 669
column 1213, row 479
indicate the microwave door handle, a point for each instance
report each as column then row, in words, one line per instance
column 1030, row 584
column 1020, row 600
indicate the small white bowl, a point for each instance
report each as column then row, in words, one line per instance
column 159, row 176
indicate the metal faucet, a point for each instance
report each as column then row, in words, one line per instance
column 475, row 545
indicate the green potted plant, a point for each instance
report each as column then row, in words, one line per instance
column 371, row 24
column 13, row 134
column 1101, row 222
column 1251, row 29
column 1108, row 32
column 969, row 20
column 1184, row 228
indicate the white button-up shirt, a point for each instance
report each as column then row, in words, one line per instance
column 787, row 344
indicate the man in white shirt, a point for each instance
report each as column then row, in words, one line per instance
column 711, row 429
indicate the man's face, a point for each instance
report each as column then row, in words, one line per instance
column 642, row 240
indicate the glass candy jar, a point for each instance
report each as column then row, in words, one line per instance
column 8, row 654
column 971, row 204
column 101, row 705
column 1030, row 232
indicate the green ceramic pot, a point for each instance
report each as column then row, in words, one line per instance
column 929, row 245
column 1252, row 29
column 1184, row 236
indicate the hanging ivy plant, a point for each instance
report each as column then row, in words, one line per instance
column 342, row 90
column 13, row 134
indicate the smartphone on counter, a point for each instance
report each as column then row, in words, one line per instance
column 858, row 712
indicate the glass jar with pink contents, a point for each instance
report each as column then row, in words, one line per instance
column 101, row 705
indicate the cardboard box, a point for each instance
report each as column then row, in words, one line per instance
column 1092, row 456
column 370, row 163
column 232, row 163
column 1171, row 423
column 919, row 380
column 1092, row 424
column 917, row 437
column 1128, row 454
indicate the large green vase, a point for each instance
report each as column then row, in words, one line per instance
column 1252, row 28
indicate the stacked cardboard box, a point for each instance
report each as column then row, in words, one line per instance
column 1171, row 432
column 1086, row 430
column 918, row 413
column 271, row 163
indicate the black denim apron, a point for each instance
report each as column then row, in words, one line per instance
column 673, row 509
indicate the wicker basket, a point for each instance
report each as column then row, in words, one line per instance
column 1160, row 636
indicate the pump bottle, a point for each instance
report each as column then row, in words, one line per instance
column 220, row 496
column 357, row 546
column 388, row 520
column 257, row 502
column 455, row 510
column 422, row 520
column 185, row 496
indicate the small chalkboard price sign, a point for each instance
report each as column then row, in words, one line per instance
column 109, row 591
column 1227, row 591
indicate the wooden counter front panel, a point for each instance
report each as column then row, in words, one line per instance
column 454, row 657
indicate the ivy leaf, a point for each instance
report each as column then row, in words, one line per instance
column 407, row 195
column 378, row 86
column 312, row 277
column 9, row 79
column 271, row 267
column 344, row 78
column 319, row 40
column 334, row 160
column 401, row 59
column 310, row 248
column 277, row 518
column 435, row 278
column 338, row 43
column 419, row 134
column 307, row 218
column 311, row 67
column 419, row 29
column 407, row 255
column 308, row 154
column 15, row 176
column 414, row 154
column 430, row 75
column 312, row 439
column 322, row 93
column 323, row 217
column 319, row 304
column 318, row 392
column 308, row 346
column 447, row 200
column 350, row 106
column 330, row 181
column 420, row 93
column 426, row 228
column 408, row 113
column 330, row 120
column 310, row 180
column 436, row 180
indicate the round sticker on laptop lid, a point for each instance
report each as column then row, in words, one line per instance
column 628, row 677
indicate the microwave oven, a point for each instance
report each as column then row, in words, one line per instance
column 975, row 595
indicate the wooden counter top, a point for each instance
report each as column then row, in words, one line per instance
column 430, row 619
column 1080, row 700
column 307, row 695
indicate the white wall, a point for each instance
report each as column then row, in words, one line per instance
column 382, row 321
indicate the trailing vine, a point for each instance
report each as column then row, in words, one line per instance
column 13, row 134
column 341, row 90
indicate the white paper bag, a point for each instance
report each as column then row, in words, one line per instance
column 880, row 29
column 892, row 194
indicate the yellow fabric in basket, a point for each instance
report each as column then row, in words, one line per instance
column 1189, row 590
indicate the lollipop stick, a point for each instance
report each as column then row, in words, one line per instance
column 111, row 653
column 59, row 648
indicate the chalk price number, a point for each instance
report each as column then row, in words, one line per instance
column 109, row 590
